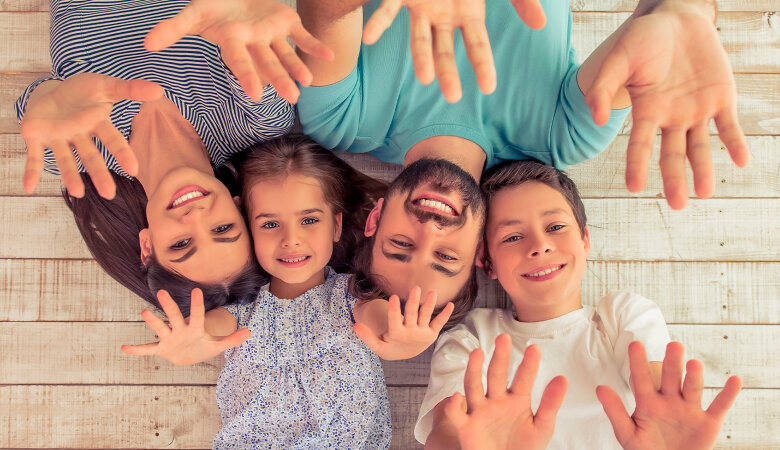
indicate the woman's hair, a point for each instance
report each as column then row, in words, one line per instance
column 110, row 229
column 346, row 190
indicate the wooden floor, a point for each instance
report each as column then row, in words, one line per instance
column 714, row 269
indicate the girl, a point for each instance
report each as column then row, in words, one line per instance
column 304, row 379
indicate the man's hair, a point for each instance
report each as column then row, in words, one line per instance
column 515, row 173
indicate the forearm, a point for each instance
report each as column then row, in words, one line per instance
column 707, row 7
column 590, row 69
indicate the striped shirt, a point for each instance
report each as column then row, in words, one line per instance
column 106, row 37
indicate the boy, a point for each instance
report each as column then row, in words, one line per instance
column 536, row 246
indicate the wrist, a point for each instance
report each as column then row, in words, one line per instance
column 707, row 8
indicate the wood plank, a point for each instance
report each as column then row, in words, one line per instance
column 620, row 230
column 187, row 417
column 24, row 5
column 11, row 87
column 25, row 43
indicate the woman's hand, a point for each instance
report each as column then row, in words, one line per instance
column 252, row 36
column 65, row 115
column 407, row 335
column 184, row 343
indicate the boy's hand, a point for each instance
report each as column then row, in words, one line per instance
column 503, row 418
column 409, row 334
column 671, row 418
column 183, row 343
column 678, row 77
column 65, row 115
column 252, row 35
column 432, row 25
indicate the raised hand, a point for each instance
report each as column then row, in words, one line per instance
column 407, row 334
column 184, row 343
column 503, row 418
column 678, row 77
column 671, row 418
column 432, row 24
column 252, row 35
column 65, row 115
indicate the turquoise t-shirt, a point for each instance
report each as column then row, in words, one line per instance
column 537, row 111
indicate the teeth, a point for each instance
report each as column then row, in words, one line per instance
column 294, row 260
column 544, row 272
column 435, row 204
column 185, row 197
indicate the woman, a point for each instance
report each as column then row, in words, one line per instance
column 190, row 116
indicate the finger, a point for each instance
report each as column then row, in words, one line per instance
column 672, row 163
column 310, row 44
column 531, row 12
column 421, row 47
column 380, row 21
column 725, row 398
column 498, row 366
column 444, row 62
column 612, row 75
column 197, row 310
column 169, row 31
column 291, row 63
column 472, row 380
column 412, row 306
column 33, row 166
column 700, row 158
column 551, row 402
column 234, row 340
column 426, row 310
column 455, row 411
column 441, row 319
column 672, row 369
column 272, row 71
column 140, row 350
column 616, row 412
column 117, row 89
column 95, row 165
column 160, row 328
column 395, row 320
column 69, row 171
column 640, row 371
column 693, row 384
column 526, row 372
column 116, row 143
column 477, row 42
column 171, row 309
column 238, row 59
column 640, row 148
column 730, row 132
column 368, row 336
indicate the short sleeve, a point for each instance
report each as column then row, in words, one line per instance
column 241, row 311
column 21, row 103
column 574, row 137
column 628, row 317
column 448, row 365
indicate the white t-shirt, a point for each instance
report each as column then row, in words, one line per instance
column 588, row 346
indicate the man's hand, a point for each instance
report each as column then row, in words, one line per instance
column 184, row 343
column 407, row 334
column 432, row 25
column 65, row 115
column 252, row 35
column 671, row 418
column 678, row 77
column 503, row 418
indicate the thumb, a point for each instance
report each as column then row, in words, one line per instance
column 169, row 31
column 612, row 75
column 139, row 90
column 531, row 12
column 235, row 339
column 367, row 335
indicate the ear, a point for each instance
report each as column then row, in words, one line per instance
column 337, row 229
column 586, row 241
column 372, row 221
column 483, row 260
column 145, row 241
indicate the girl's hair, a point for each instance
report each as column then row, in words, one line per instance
column 110, row 229
column 346, row 190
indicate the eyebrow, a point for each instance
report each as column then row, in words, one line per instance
column 300, row 213
column 186, row 255
column 511, row 222
column 191, row 251
column 449, row 273
column 406, row 258
column 227, row 239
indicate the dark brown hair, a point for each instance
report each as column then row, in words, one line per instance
column 110, row 229
column 346, row 190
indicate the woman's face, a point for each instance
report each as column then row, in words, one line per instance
column 195, row 228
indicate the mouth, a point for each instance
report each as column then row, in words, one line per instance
column 187, row 194
column 436, row 204
column 544, row 273
column 294, row 260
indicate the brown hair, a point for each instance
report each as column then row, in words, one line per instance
column 346, row 190
column 110, row 229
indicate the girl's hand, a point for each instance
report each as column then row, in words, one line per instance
column 432, row 24
column 67, row 114
column 409, row 334
column 182, row 343
column 252, row 36
column 671, row 418
column 503, row 418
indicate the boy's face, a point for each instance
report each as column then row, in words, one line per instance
column 536, row 250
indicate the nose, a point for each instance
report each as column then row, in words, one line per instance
column 538, row 244
column 431, row 225
column 291, row 238
column 193, row 213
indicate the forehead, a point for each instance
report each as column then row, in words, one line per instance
column 524, row 202
column 289, row 192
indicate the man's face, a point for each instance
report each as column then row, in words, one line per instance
column 427, row 230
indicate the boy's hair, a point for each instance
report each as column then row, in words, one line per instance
column 346, row 190
column 515, row 173
column 110, row 229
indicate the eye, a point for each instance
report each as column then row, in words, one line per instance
column 446, row 257
column 401, row 243
column 513, row 238
column 180, row 244
column 309, row 220
column 223, row 228
column 269, row 225
column 557, row 227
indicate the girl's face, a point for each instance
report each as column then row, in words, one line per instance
column 293, row 228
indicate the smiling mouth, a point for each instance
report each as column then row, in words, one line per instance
column 544, row 273
column 294, row 261
column 187, row 194
column 435, row 204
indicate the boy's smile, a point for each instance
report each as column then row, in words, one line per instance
column 536, row 250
